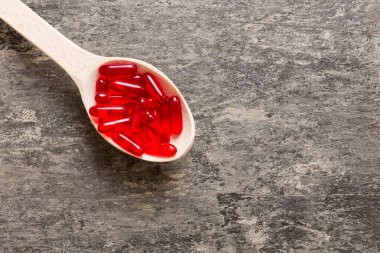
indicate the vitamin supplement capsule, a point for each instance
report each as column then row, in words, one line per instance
column 124, row 140
column 176, row 115
column 121, row 68
column 165, row 117
column 154, row 89
column 136, row 118
column 101, row 98
column 165, row 149
column 107, row 110
column 127, row 87
column 104, row 98
column 101, row 84
column 106, row 125
column 133, row 79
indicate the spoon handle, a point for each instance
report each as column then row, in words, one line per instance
column 77, row 62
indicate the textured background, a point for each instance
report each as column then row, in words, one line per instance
column 286, row 98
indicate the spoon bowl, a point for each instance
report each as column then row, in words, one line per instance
column 83, row 66
column 183, row 141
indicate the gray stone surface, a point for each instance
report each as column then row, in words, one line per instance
column 286, row 99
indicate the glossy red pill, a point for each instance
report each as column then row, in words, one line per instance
column 104, row 98
column 107, row 110
column 133, row 79
column 101, row 84
column 125, row 141
column 120, row 68
column 128, row 88
column 154, row 88
column 165, row 117
column 107, row 124
column 137, row 116
column 165, row 150
column 176, row 115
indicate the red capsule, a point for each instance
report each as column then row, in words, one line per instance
column 132, row 79
column 107, row 110
column 165, row 117
column 125, row 141
column 106, row 125
column 176, row 115
column 120, row 68
column 101, row 84
column 136, row 118
column 101, row 98
column 165, row 149
column 154, row 89
column 127, row 87
column 104, row 98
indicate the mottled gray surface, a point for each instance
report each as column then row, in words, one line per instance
column 286, row 99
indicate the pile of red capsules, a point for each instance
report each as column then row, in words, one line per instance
column 134, row 110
